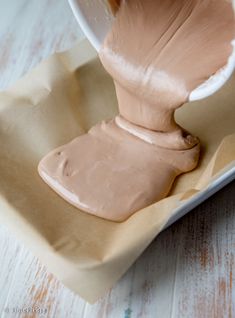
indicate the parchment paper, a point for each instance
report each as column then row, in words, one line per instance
column 60, row 99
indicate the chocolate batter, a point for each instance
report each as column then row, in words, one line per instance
column 115, row 4
column 157, row 53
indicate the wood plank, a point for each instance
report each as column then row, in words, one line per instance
column 31, row 31
column 188, row 271
column 10, row 254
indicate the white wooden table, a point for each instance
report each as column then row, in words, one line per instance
column 188, row 271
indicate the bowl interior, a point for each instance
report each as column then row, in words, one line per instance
column 95, row 19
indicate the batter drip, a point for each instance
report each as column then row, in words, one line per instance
column 157, row 52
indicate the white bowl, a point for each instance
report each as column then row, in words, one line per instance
column 95, row 19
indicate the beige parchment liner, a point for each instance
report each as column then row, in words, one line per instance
column 58, row 100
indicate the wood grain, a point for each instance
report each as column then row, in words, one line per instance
column 188, row 271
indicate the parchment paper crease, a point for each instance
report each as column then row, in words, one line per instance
column 58, row 100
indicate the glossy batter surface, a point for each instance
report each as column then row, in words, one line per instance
column 157, row 52
column 111, row 173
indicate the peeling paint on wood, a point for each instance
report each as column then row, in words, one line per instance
column 187, row 272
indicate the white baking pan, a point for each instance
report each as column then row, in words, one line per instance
column 95, row 19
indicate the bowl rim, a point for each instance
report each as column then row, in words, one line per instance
column 95, row 19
